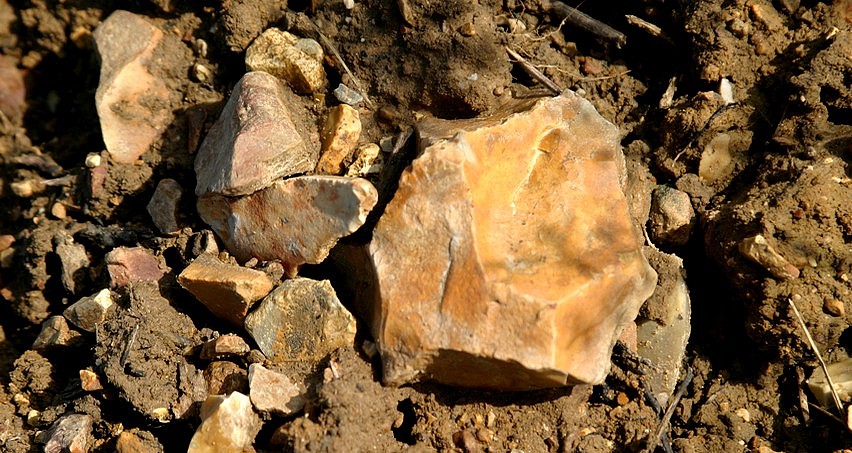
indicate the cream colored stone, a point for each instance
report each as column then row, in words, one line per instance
column 368, row 161
column 284, row 55
column 758, row 249
column 297, row 220
column 507, row 258
column 227, row 424
column 716, row 160
column 339, row 138
column 271, row 391
column 130, row 98
column 228, row 291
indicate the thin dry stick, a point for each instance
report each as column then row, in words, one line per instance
column 652, row 29
column 819, row 356
column 827, row 413
column 681, row 390
column 585, row 22
column 334, row 51
column 531, row 70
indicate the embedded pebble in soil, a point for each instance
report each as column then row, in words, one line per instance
column 227, row 290
column 298, row 61
column 55, row 334
column 163, row 206
column 224, row 347
column 297, row 220
column 228, row 423
column 487, row 218
column 273, row 392
column 672, row 216
column 126, row 265
column 132, row 94
column 254, row 142
column 70, row 433
column 90, row 311
column 301, row 320
column 74, row 262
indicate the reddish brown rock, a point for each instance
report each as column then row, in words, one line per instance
column 507, row 258
column 301, row 320
column 127, row 265
column 226, row 290
column 296, row 220
column 254, row 141
column 224, row 377
column 132, row 95
column 226, row 346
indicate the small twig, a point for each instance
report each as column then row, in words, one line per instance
column 585, row 22
column 330, row 46
column 650, row 28
column 538, row 75
column 129, row 346
column 818, row 356
column 664, row 423
column 827, row 413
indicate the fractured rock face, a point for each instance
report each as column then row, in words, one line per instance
column 297, row 220
column 132, row 93
column 507, row 258
column 254, row 141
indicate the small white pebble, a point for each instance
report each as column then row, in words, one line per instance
column 93, row 160
column 726, row 90
column 349, row 4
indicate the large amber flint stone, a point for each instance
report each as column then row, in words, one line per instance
column 507, row 258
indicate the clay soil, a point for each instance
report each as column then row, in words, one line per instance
column 790, row 130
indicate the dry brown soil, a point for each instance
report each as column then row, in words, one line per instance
column 790, row 62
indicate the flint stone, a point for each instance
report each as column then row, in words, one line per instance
column 226, row 290
column 225, row 346
column 127, row 265
column 297, row 220
column 88, row 312
column 339, row 138
column 508, row 258
column 254, row 141
column 71, row 433
column 163, row 206
column 301, row 320
column 56, row 333
column 227, row 424
column 284, row 55
column 672, row 216
column 129, row 98
column 758, row 249
column 72, row 259
column 271, row 391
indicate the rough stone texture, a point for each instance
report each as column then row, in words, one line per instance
column 253, row 143
column 672, row 217
column 339, row 138
column 163, row 206
column 271, row 391
column 225, row 377
column 301, row 320
column 841, row 376
column 665, row 327
column 227, row 424
column 56, row 333
column 71, row 433
column 760, row 251
column 88, row 312
column 137, row 441
column 228, row 291
column 89, row 381
column 367, row 161
column 297, row 220
column 74, row 261
column 129, row 98
column 507, row 258
column 226, row 346
column 286, row 56
column 12, row 90
column 127, row 265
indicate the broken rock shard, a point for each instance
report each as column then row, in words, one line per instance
column 507, row 258
column 297, row 220
column 254, row 141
